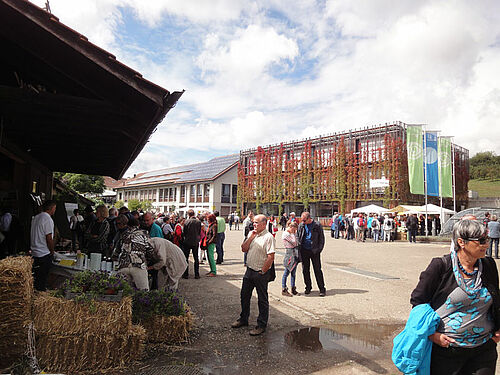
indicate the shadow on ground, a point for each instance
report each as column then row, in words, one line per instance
column 286, row 348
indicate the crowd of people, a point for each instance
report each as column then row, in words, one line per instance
column 152, row 251
column 382, row 227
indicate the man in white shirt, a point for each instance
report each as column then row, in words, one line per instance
column 42, row 244
column 260, row 246
column 74, row 224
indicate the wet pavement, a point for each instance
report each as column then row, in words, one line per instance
column 349, row 331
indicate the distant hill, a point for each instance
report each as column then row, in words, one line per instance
column 485, row 188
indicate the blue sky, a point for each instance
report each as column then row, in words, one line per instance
column 260, row 72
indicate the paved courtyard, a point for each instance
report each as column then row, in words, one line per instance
column 349, row 331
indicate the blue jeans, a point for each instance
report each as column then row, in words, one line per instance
column 494, row 241
column 219, row 246
column 376, row 235
column 285, row 276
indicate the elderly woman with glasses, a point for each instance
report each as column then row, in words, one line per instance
column 462, row 288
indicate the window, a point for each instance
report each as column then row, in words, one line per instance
column 174, row 196
column 192, row 193
column 160, row 198
column 154, row 194
column 234, row 193
column 199, row 188
column 226, row 193
column 183, row 193
column 206, row 192
column 120, row 196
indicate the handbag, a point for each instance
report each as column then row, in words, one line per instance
column 203, row 244
column 272, row 273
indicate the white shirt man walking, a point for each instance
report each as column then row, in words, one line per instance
column 260, row 246
column 42, row 244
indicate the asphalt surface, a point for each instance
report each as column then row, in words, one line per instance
column 349, row 331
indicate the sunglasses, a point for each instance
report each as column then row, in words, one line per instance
column 482, row 240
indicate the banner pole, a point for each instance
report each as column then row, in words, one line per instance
column 425, row 179
column 453, row 176
column 440, row 184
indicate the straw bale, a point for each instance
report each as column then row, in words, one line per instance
column 168, row 329
column 74, row 354
column 58, row 316
column 16, row 296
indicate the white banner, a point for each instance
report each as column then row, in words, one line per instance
column 379, row 183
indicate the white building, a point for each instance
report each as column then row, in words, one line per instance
column 207, row 186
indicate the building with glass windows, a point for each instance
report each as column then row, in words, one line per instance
column 207, row 186
column 337, row 173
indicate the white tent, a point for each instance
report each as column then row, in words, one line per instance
column 432, row 209
column 371, row 209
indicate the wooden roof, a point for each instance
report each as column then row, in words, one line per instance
column 69, row 103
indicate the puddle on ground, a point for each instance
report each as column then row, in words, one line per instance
column 367, row 339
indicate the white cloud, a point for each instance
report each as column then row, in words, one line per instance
column 153, row 11
column 260, row 72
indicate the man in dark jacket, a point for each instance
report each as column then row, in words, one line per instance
column 412, row 226
column 312, row 241
column 192, row 231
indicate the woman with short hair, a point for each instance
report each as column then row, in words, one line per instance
column 291, row 258
column 462, row 288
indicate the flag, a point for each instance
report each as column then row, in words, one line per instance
column 445, row 184
column 415, row 159
column 431, row 161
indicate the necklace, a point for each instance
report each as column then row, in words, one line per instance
column 464, row 271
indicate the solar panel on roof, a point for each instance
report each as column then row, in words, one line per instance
column 200, row 171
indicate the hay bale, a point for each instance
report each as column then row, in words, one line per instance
column 74, row 354
column 16, row 296
column 168, row 329
column 58, row 316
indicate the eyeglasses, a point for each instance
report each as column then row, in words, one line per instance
column 482, row 240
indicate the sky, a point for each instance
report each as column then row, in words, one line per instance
column 260, row 72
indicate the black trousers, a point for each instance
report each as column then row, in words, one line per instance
column 308, row 257
column 187, row 249
column 480, row 360
column 253, row 279
column 41, row 268
column 413, row 235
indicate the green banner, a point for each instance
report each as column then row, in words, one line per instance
column 444, row 163
column 415, row 149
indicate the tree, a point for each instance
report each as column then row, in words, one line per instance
column 82, row 183
column 136, row 204
column 119, row 204
column 485, row 166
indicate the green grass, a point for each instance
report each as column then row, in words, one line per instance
column 485, row 188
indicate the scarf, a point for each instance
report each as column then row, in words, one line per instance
column 476, row 285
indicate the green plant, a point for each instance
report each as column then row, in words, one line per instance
column 134, row 204
column 89, row 285
column 119, row 204
column 145, row 304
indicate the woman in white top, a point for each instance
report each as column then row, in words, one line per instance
column 291, row 257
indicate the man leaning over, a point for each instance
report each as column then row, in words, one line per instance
column 260, row 246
